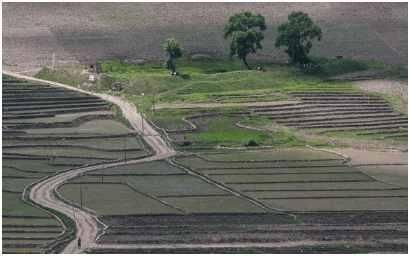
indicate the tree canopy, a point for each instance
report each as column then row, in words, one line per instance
column 173, row 51
column 245, row 29
column 297, row 35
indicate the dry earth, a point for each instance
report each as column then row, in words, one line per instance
column 86, row 31
column 389, row 87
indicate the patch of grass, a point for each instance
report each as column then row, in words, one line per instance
column 124, row 201
column 222, row 131
column 70, row 75
column 334, row 67
column 354, row 136
column 209, row 77
column 15, row 206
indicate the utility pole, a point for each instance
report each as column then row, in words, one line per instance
column 142, row 113
column 53, row 61
column 81, row 196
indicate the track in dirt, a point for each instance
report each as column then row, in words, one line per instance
column 44, row 192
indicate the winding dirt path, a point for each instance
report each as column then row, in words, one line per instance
column 43, row 193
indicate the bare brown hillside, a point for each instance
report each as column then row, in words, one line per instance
column 86, row 31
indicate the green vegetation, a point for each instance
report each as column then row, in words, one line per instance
column 13, row 205
column 297, row 35
column 245, row 29
column 222, row 131
column 70, row 75
column 124, row 201
column 209, row 78
column 334, row 67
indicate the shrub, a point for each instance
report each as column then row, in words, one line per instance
column 186, row 143
column 251, row 143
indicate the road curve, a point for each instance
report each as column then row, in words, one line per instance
column 43, row 193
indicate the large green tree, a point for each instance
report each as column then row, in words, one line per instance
column 173, row 51
column 245, row 29
column 297, row 35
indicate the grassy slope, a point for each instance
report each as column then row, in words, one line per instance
column 219, row 80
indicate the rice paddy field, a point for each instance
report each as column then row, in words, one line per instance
column 47, row 130
column 226, row 196
column 255, row 163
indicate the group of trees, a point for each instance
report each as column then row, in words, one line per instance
column 246, row 33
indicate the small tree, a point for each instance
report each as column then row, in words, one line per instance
column 174, row 51
column 245, row 29
column 297, row 35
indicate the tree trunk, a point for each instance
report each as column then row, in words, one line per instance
column 246, row 63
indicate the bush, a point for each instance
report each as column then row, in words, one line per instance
column 251, row 143
column 105, row 82
column 186, row 143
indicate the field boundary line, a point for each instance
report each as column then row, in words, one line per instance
column 155, row 198
column 228, row 189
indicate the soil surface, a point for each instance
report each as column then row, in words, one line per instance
column 386, row 165
column 84, row 32
column 389, row 87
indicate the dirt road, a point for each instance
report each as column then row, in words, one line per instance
column 43, row 193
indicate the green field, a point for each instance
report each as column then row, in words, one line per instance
column 92, row 127
column 124, row 201
column 39, row 146
column 209, row 80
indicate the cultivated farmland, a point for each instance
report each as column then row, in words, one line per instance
column 47, row 130
column 202, row 198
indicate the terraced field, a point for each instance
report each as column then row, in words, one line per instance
column 159, row 186
column 205, row 199
column 338, row 112
column 201, row 199
column 328, row 115
column 292, row 180
column 48, row 130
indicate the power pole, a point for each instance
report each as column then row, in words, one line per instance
column 53, row 61
column 81, row 196
column 142, row 113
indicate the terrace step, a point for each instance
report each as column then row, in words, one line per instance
column 381, row 131
column 342, row 101
column 44, row 99
column 398, row 135
column 61, row 111
column 323, row 113
column 11, row 80
column 22, row 87
column 355, row 124
column 34, row 103
column 7, row 91
column 345, row 118
column 74, row 123
column 325, row 110
column 335, row 93
column 319, row 106
column 347, row 121
column 54, row 106
column 277, row 105
column 375, row 127
column 40, row 94
column 35, row 115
